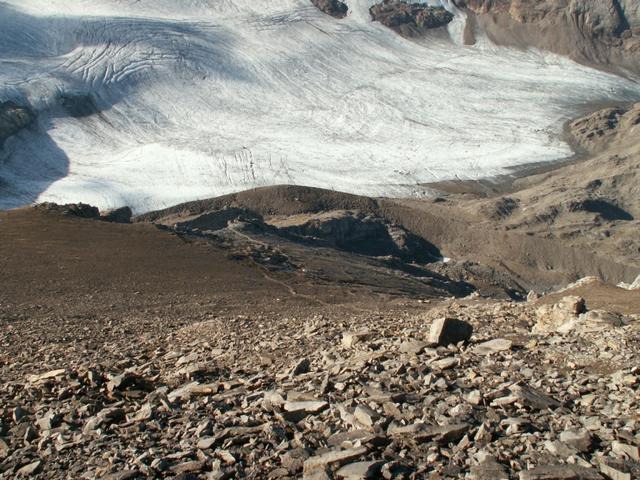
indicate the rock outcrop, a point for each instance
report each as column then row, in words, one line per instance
column 13, row 118
column 335, row 8
column 601, row 32
column 360, row 233
column 81, row 210
column 410, row 19
column 117, row 215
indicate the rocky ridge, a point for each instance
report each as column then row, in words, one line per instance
column 410, row 19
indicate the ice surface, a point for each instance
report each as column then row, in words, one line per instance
column 184, row 99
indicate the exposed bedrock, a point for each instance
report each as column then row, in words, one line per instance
column 410, row 19
column 13, row 118
column 601, row 32
column 347, row 230
column 335, row 8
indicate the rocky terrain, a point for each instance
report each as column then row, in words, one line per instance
column 600, row 32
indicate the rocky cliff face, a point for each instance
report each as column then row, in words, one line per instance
column 601, row 32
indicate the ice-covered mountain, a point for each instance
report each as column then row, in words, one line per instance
column 154, row 102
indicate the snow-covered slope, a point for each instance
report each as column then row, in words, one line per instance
column 174, row 100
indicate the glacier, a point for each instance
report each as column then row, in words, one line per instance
column 150, row 103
